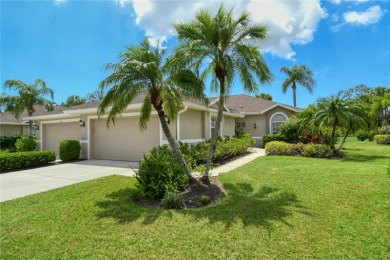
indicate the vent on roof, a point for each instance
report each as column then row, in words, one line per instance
column 241, row 106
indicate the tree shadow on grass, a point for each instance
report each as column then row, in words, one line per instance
column 260, row 208
column 363, row 158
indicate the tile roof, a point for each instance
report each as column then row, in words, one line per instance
column 236, row 103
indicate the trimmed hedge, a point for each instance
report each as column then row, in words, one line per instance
column 70, row 150
column 306, row 150
column 382, row 139
column 19, row 160
column 25, row 144
column 273, row 137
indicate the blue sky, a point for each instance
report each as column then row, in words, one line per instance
column 67, row 43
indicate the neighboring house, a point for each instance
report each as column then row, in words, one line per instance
column 9, row 124
column 124, row 140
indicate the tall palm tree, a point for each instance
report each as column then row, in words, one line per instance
column 297, row 74
column 28, row 96
column 223, row 47
column 336, row 111
column 143, row 69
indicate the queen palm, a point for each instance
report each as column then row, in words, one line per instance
column 297, row 74
column 337, row 111
column 223, row 47
column 27, row 96
column 142, row 69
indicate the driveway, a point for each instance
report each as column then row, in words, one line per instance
column 26, row 182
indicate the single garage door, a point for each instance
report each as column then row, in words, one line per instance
column 55, row 133
column 124, row 141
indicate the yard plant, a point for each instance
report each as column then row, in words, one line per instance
column 277, row 207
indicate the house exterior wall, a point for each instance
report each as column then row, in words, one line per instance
column 259, row 131
column 229, row 124
column 192, row 125
column 11, row 129
column 274, row 111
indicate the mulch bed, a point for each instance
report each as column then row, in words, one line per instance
column 191, row 196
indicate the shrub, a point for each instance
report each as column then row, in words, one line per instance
column 361, row 135
column 172, row 200
column 382, row 130
column 205, row 200
column 69, row 150
column 160, row 172
column 279, row 148
column 25, row 144
column 19, row 160
column 371, row 135
column 382, row 139
column 273, row 137
column 8, row 141
column 317, row 151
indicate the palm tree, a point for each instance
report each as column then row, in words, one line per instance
column 297, row 74
column 336, row 111
column 28, row 96
column 224, row 47
column 142, row 69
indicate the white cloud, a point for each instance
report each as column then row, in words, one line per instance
column 60, row 2
column 289, row 22
column 337, row 2
column 370, row 16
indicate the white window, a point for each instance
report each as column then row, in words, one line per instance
column 213, row 122
column 276, row 120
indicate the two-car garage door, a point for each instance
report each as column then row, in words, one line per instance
column 124, row 141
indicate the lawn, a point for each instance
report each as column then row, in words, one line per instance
column 277, row 207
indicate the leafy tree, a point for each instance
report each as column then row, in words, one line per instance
column 222, row 47
column 297, row 74
column 95, row 96
column 265, row 96
column 74, row 100
column 28, row 96
column 142, row 69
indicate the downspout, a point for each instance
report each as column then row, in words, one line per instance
column 178, row 122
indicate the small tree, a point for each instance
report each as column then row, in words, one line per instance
column 265, row 96
column 74, row 100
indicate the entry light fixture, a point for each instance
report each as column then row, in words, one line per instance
column 167, row 120
column 254, row 125
column 82, row 123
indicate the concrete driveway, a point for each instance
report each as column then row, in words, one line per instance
column 26, row 182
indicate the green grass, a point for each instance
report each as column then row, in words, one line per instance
column 277, row 207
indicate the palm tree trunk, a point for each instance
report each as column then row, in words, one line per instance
column 333, row 141
column 174, row 146
column 294, row 88
column 214, row 137
column 344, row 138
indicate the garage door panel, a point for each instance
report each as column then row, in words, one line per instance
column 124, row 141
column 55, row 133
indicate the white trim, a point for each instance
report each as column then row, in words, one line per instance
column 41, row 127
column 257, row 137
column 60, row 115
column 273, row 115
column 121, row 115
column 9, row 123
column 281, row 105
column 89, row 137
column 84, row 141
column 95, row 109
column 203, row 108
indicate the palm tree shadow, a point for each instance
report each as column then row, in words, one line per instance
column 259, row 208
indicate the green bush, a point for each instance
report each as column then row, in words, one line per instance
column 196, row 154
column 172, row 200
column 273, row 137
column 25, row 144
column 307, row 150
column 382, row 130
column 19, row 160
column 279, row 148
column 70, row 150
column 160, row 172
column 382, row 139
column 205, row 200
column 7, row 142
column 361, row 135
column 317, row 151
column 371, row 135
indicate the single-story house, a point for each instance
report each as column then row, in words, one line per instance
column 124, row 140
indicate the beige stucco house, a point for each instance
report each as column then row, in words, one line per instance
column 124, row 140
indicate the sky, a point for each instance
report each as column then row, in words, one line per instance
column 67, row 43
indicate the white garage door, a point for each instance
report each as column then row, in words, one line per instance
column 124, row 141
column 55, row 133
